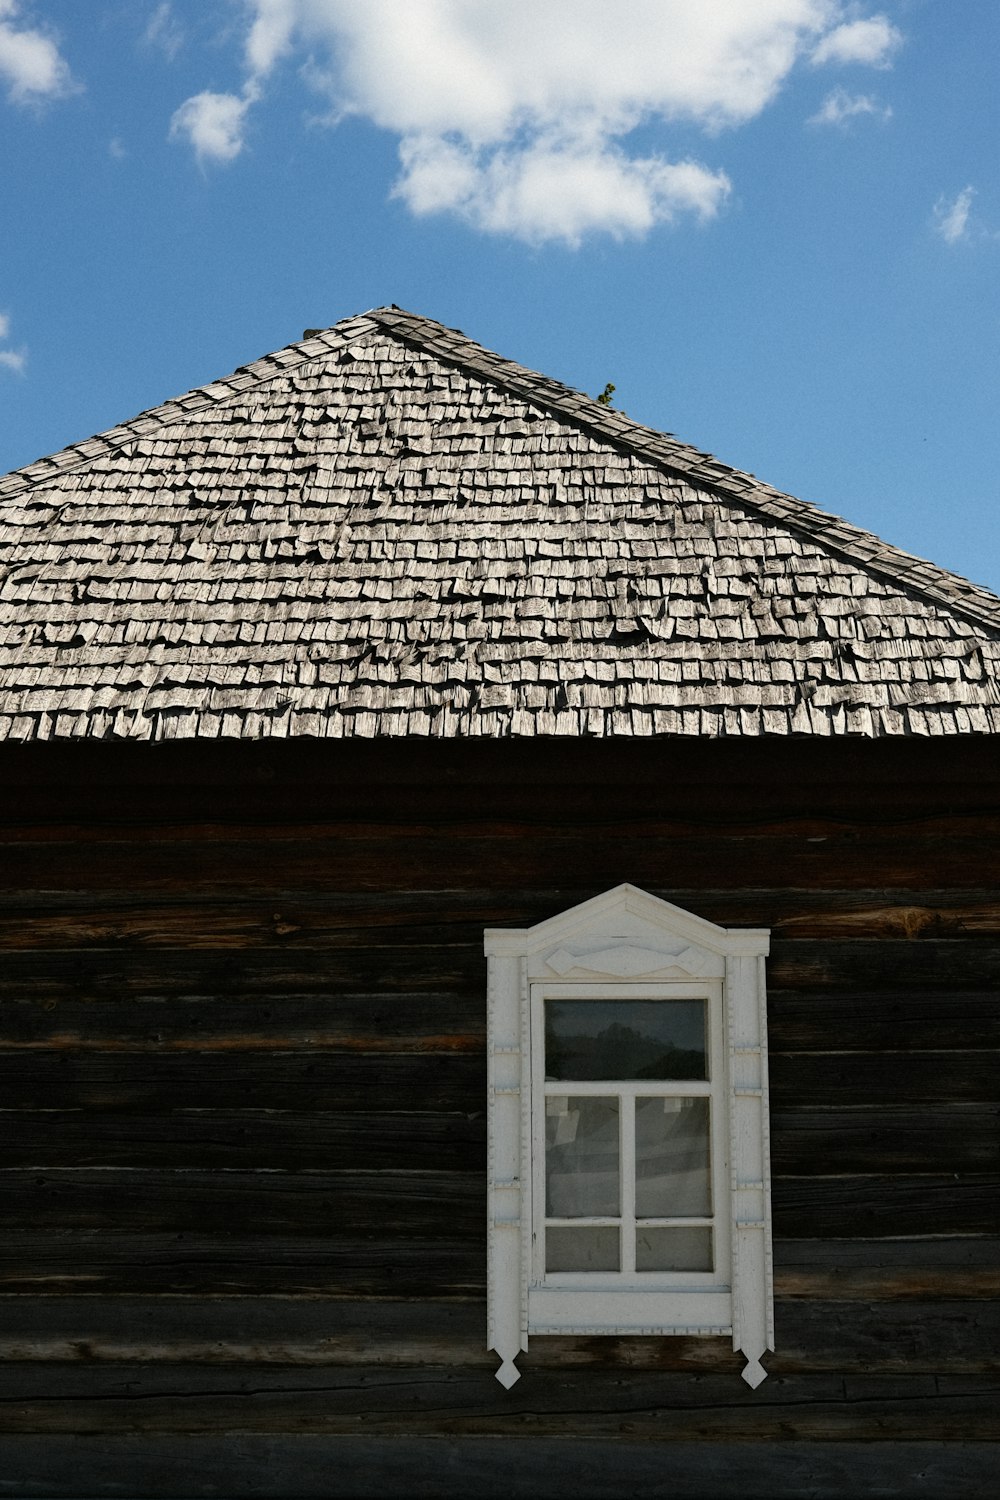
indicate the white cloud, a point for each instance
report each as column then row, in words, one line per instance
column 164, row 31
column 30, row 61
column 839, row 107
column 433, row 66
column 516, row 115
column 870, row 42
column 10, row 359
column 213, row 123
column 951, row 216
column 274, row 24
column 553, row 190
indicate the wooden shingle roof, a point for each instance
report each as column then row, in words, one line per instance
column 388, row 530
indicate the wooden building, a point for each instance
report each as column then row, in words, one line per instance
column 310, row 678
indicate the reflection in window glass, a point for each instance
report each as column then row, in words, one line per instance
column 672, row 1173
column 673, row 1249
column 582, row 1248
column 581, row 1157
column 630, row 1039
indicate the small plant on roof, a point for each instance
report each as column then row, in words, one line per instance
column 604, row 399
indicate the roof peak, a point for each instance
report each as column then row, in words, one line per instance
column 658, row 449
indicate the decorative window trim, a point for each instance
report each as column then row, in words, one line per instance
column 627, row 942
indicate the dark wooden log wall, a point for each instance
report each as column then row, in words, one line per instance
column 242, row 1081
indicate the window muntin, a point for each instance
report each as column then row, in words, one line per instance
column 630, row 1177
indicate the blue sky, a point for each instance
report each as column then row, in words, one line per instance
column 773, row 224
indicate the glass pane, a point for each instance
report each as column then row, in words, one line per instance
column 672, row 1176
column 673, row 1250
column 625, row 1039
column 581, row 1158
column 582, row 1249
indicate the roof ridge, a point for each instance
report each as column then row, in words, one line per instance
column 864, row 548
column 198, row 399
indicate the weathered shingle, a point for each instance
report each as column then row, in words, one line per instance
column 388, row 530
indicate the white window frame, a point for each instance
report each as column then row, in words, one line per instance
column 627, row 944
column 595, row 1298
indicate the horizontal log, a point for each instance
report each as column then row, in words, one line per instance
column 956, row 1138
column 890, row 1283
column 911, row 1020
column 313, row 1467
column 869, row 1206
column 310, row 1080
column 891, row 1020
column 962, row 1138
column 859, row 1256
column 902, row 919
column 51, row 975
column 345, row 768
column 448, row 1203
column 905, row 1337
column 240, row 1330
column 90, row 1262
column 932, row 1272
column 419, row 1022
column 382, row 1205
column 838, row 1080
column 278, row 1140
column 928, row 1267
column 193, row 924
column 312, row 1332
column 299, row 780
column 656, row 1405
column 499, row 818
column 945, row 964
column 239, row 1263
column 78, row 918
column 53, row 1243
column 961, row 852
column 520, row 904
column 443, row 964
column 882, row 1336
column 943, row 967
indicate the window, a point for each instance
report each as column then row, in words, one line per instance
column 628, row 1129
